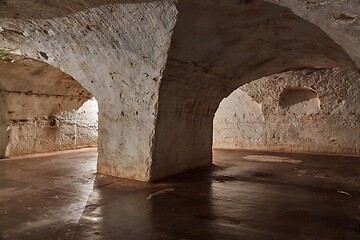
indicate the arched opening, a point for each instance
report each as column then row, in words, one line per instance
column 156, row 113
column 43, row 109
column 157, row 104
column 238, row 122
column 295, row 111
column 216, row 48
column 117, row 63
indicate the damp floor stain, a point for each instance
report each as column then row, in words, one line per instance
column 273, row 196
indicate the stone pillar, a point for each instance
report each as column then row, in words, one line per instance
column 216, row 47
column 117, row 52
column 183, row 138
column 3, row 126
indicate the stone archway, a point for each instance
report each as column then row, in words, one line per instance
column 39, row 106
column 157, row 105
column 117, row 50
column 216, row 48
column 296, row 111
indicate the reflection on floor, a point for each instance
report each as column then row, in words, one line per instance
column 245, row 195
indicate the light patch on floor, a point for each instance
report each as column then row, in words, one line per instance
column 31, row 225
column 271, row 159
column 7, row 192
column 159, row 192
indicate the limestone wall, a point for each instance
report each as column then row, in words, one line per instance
column 159, row 69
column 64, row 131
column 309, row 110
column 216, row 47
column 117, row 50
column 38, row 108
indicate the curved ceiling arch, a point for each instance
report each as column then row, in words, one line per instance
column 32, row 88
column 224, row 44
column 43, row 9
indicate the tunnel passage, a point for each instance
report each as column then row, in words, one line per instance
column 301, row 111
column 117, row 50
column 156, row 105
column 216, row 48
column 43, row 109
column 238, row 122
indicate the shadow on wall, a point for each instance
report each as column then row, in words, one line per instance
column 209, row 58
column 43, row 109
column 3, row 127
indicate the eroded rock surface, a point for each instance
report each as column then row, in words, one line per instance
column 38, row 108
column 63, row 131
column 116, row 50
column 319, row 114
column 159, row 69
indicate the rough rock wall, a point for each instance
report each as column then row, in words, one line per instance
column 86, row 122
column 216, row 47
column 32, row 88
column 239, row 122
column 117, row 50
column 340, row 19
column 66, row 131
column 156, row 106
column 309, row 110
column 33, row 96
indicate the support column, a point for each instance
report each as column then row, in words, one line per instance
column 3, row 127
column 184, row 128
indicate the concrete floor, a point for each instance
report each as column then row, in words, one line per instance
column 246, row 195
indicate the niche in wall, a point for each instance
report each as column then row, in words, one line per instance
column 324, row 118
column 300, row 100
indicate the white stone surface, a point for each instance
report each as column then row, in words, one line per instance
column 63, row 131
column 300, row 101
column 340, row 19
column 33, row 96
column 217, row 46
column 157, row 105
column 331, row 127
column 87, row 124
column 117, row 51
column 239, row 119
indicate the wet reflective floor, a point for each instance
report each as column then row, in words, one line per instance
column 245, row 195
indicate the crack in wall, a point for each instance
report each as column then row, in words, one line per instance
column 44, row 94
